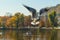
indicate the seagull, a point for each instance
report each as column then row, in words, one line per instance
column 35, row 14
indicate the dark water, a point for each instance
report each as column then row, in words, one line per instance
column 34, row 34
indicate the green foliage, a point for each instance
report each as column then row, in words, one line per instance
column 52, row 18
column 20, row 19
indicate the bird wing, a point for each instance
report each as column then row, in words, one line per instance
column 32, row 10
column 43, row 10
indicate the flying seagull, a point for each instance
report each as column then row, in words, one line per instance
column 35, row 13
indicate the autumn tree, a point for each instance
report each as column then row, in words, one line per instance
column 0, row 22
column 27, row 20
column 16, row 20
column 11, row 22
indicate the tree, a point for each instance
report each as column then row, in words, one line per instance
column 0, row 22
column 27, row 20
column 11, row 22
column 52, row 18
column 20, row 19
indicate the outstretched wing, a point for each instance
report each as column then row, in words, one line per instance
column 32, row 10
column 43, row 10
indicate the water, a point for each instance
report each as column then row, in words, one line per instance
column 34, row 34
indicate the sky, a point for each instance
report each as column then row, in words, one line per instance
column 13, row 6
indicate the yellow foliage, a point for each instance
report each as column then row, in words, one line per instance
column 50, row 14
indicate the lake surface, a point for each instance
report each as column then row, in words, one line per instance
column 31, row 34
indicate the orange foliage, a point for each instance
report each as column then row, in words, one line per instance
column 27, row 21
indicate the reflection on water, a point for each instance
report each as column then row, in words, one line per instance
column 43, row 34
